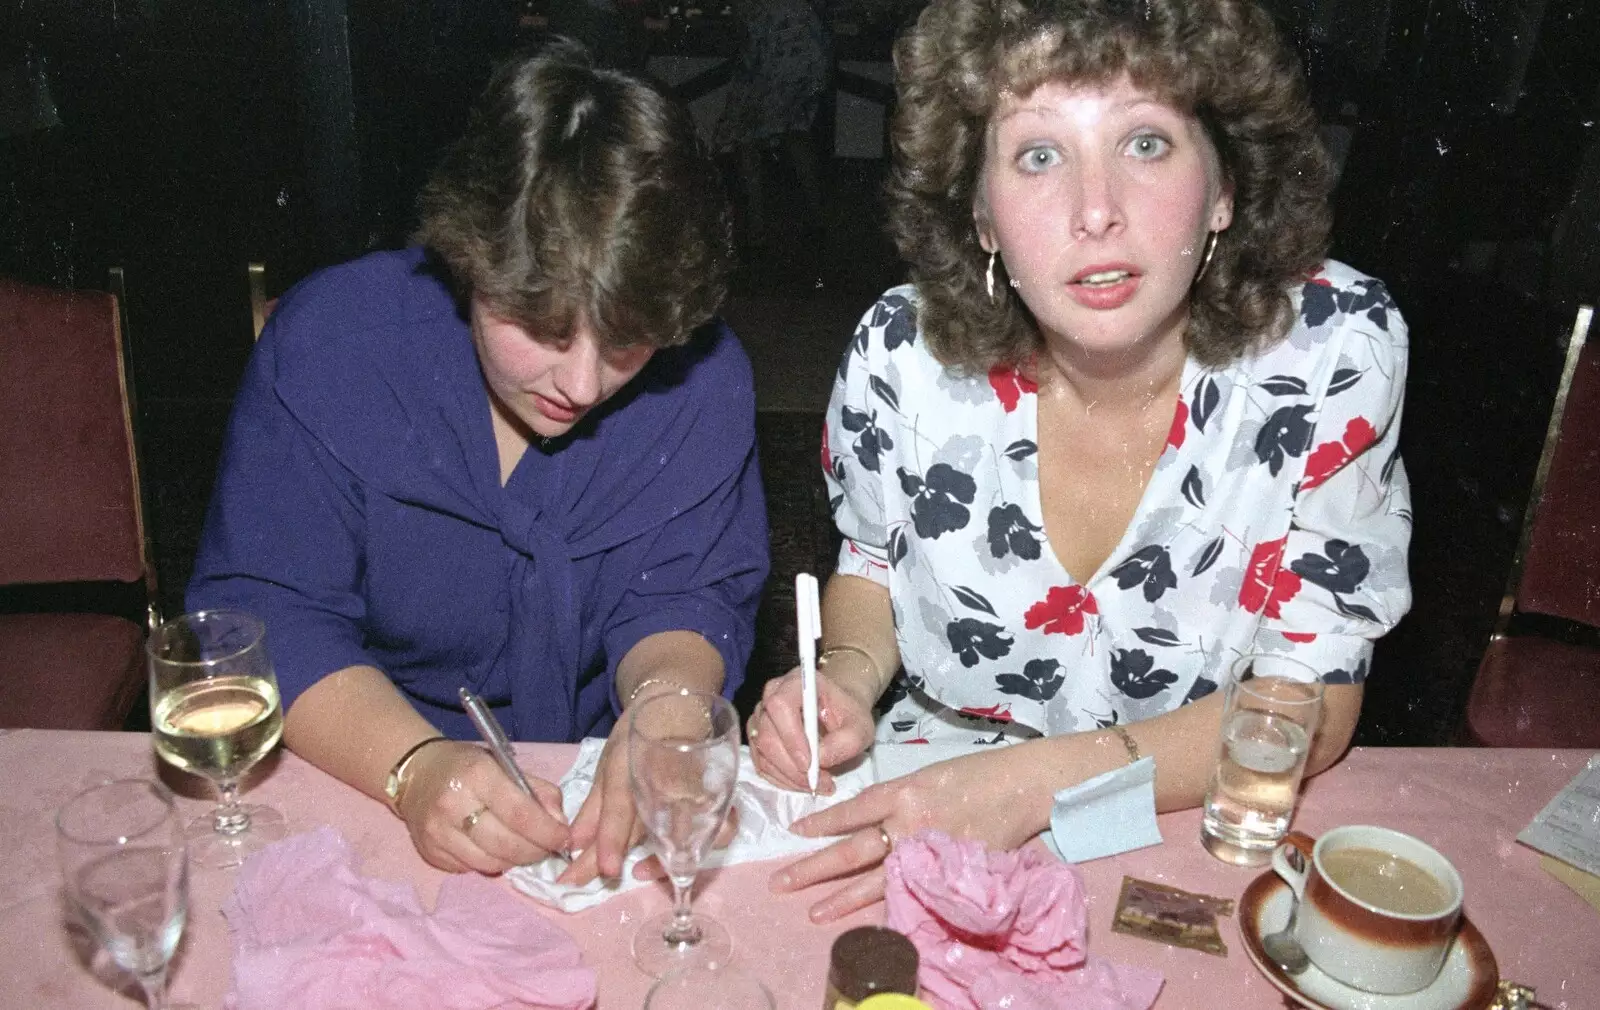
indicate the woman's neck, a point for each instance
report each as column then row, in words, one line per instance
column 1129, row 380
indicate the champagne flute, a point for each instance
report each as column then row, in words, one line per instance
column 708, row 987
column 126, row 875
column 683, row 764
column 215, row 711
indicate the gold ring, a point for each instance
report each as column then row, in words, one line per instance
column 471, row 820
column 888, row 843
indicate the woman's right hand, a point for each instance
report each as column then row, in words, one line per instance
column 465, row 814
column 777, row 731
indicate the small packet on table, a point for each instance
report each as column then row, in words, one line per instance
column 1171, row 916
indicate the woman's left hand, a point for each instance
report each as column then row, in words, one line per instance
column 607, row 827
column 993, row 796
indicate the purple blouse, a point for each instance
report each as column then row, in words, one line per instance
column 359, row 511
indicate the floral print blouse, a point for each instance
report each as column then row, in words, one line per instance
column 1276, row 521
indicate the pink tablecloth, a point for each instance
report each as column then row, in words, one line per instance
column 1469, row 803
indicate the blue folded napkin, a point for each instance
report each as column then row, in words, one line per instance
column 1108, row 814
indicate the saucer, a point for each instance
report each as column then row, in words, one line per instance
column 1467, row 981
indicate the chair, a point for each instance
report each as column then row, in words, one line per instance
column 1538, row 684
column 260, row 305
column 74, row 537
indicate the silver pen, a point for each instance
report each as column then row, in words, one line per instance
column 489, row 728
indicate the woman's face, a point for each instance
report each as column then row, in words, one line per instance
column 548, row 384
column 1099, row 200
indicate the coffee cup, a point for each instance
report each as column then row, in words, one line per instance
column 1378, row 908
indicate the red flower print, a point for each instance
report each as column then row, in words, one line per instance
column 920, row 739
column 827, row 457
column 1329, row 458
column 1267, row 584
column 1061, row 611
column 1009, row 384
column 1300, row 636
column 1179, row 419
column 999, row 713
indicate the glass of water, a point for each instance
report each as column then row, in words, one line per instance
column 1270, row 711
column 683, row 764
column 126, row 875
column 215, row 711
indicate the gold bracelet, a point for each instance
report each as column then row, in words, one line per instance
column 646, row 683
column 877, row 671
column 1127, row 741
column 395, row 782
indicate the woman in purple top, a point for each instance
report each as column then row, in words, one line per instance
column 517, row 458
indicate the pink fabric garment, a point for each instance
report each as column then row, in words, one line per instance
column 1003, row 930
column 311, row 933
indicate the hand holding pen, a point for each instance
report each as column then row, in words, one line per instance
column 500, row 747
column 807, row 723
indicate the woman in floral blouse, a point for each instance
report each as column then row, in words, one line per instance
column 1127, row 425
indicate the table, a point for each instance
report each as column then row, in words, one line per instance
column 1468, row 803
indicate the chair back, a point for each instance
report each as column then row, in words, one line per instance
column 260, row 305
column 70, row 502
column 1559, row 570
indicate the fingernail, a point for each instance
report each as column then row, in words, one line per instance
column 782, row 882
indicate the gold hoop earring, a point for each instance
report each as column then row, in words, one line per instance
column 1205, row 257
column 989, row 276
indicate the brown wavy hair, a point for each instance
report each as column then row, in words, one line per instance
column 581, row 191
column 1221, row 61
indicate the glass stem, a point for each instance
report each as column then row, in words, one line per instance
column 155, row 988
column 682, row 930
column 229, row 817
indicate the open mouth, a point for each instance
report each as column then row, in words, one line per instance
column 1103, row 278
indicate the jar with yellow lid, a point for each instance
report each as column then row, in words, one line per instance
column 892, row 1001
column 867, row 961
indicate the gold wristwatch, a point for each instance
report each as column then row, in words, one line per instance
column 396, row 781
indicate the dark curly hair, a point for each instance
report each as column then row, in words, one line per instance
column 577, row 190
column 1219, row 60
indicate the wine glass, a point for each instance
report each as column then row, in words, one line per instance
column 708, row 987
column 683, row 762
column 127, row 876
column 215, row 711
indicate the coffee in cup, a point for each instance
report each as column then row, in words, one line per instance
column 1378, row 908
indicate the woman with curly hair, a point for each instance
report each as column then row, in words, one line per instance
column 1126, row 425
column 518, row 457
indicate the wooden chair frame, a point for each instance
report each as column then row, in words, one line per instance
column 1552, row 435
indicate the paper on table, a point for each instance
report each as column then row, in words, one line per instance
column 1569, row 825
column 1587, row 885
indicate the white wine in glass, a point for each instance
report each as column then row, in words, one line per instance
column 215, row 711
column 683, row 765
column 126, row 876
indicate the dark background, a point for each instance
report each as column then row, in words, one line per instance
column 182, row 139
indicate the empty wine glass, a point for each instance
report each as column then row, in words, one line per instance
column 215, row 711
column 708, row 987
column 126, row 875
column 683, row 763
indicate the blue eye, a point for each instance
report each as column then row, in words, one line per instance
column 1148, row 146
column 1037, row 159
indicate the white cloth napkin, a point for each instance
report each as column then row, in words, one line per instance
column 765, row 813
column 1108, row 814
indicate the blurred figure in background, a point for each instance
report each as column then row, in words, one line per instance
column 778, row 80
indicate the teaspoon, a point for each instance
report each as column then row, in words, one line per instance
column 1284, row 950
